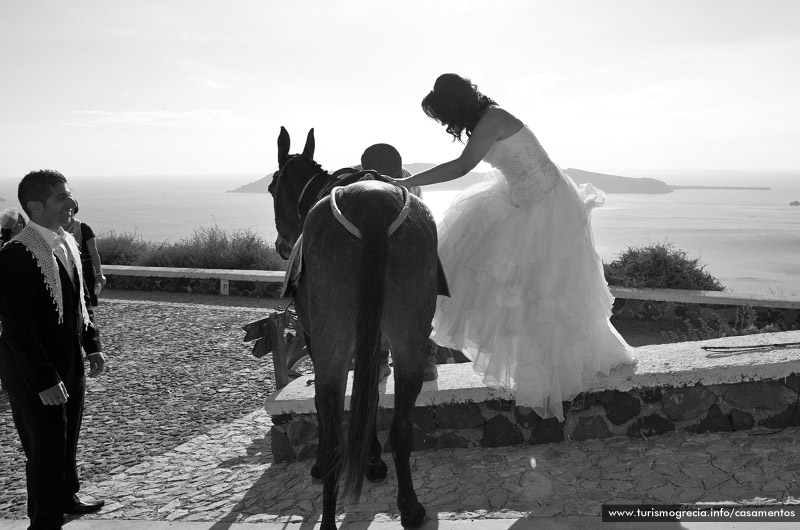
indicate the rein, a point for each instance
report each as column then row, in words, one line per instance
column 303, row 192
column 336, row 175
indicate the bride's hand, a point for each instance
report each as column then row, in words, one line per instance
column 396, row 182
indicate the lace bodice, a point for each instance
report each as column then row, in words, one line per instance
column 530, row 174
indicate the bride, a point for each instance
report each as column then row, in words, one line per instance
column 529, row 303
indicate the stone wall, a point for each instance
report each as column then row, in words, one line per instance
column 626, row 305
column 643, row 412
column 781, row 318
column 250, row 288
column 161, row 284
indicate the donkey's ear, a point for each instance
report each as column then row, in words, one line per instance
column 283, row 147
column 308, row 150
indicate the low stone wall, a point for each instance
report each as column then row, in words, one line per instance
column 677, row 387
column 158, row 284
column 650, row 304
column 692, row 306
column 637, row 413
column 262, row 284
column 193, row 285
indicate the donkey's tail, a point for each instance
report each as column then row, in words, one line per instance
column 364, row 400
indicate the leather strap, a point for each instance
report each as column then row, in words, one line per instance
column 353, row 229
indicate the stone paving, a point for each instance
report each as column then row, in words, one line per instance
column 227, row 474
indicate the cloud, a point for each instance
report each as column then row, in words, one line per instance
column 208, row 83
column 208, row 118
column 535, row 84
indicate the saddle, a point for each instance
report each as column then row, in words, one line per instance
column 340, row 178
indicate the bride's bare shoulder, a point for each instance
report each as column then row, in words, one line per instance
column 506, row 122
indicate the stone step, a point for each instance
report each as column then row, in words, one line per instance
column 679, row 386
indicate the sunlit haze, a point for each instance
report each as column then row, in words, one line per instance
column 153, row 87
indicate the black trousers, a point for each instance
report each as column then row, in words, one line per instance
column 49, row 435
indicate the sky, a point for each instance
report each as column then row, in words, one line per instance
column 190, row 87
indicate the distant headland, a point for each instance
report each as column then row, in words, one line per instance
column 607, row 183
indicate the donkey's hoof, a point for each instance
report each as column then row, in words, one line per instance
column 376, row 471
column 413, row 517
column 315, row 474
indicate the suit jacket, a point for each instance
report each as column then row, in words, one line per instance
column 36, row 350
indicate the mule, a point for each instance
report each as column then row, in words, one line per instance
column 364, row 274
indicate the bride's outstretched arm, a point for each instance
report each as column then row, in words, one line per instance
column 441, row 173
column 486, row 132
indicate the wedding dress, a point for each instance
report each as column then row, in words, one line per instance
column 529, row 302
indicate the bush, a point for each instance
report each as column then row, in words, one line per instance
column 659, row 266
column 206, row 248
column 702, row 329
column 123, row 248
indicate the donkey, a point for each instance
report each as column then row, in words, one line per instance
column 369, row 267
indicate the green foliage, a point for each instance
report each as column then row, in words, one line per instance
column 206, row 248
column 702, row 329
column 659, row 266
column 123, row 248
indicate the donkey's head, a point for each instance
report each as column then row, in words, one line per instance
column 287, row 187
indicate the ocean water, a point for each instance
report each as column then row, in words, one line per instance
column 749, row 240
column 166, row 208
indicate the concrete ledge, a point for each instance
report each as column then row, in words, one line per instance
column 672, row 387
column 175, row 272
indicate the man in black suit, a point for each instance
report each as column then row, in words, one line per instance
column 47, row 321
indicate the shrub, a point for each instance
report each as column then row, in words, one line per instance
column 659, row 266
column 702, row 329
column 206, row 248
column 212, row 248
column 123, row 248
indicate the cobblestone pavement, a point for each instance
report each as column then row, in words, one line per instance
column 226, row 475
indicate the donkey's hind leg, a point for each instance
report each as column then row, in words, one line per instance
column 330, row 395
column 408, row 383
column 330, row 380
column 376, row 468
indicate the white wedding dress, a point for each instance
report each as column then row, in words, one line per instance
column 529, row 302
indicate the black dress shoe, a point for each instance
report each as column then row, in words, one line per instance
column 77, row 506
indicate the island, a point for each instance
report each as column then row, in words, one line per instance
column 617, row 184
column 607, row 183
column 261, row 185
column 755, row 188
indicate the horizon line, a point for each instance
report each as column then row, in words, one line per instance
column 615, row 172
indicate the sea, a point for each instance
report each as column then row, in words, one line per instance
column 748, row 239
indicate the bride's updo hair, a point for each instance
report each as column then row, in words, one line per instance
column 457, row 103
